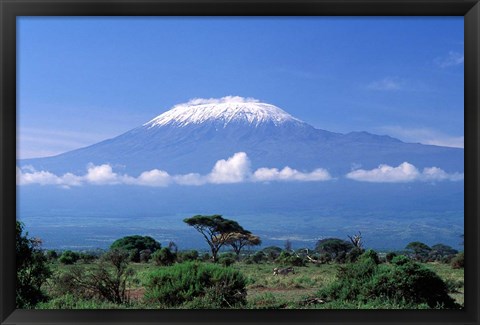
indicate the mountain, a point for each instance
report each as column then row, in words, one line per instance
column 196, row 136
column 192, row 137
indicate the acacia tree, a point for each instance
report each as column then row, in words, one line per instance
column 215, row 229
column 239, row 240
column 419, row 250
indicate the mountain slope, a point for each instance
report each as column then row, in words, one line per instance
column 191, row 137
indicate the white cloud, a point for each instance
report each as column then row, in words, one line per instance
column 34, row 177
column 424, row 135
column 387, row 83
column 102, row 174
column 226, row 99
column 437, row 174
column 452, row 59
column 190, row 179
column 233, row 170
column 289, row 174
column 153, row 177
column 403, row 173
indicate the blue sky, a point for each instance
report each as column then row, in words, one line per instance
column 82, row 80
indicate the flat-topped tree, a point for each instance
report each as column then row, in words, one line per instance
column 215, row 229
column 239, row 240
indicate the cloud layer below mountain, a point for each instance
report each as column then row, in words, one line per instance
column 403, row 173
column 236, row 169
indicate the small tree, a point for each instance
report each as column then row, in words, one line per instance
column 441, row 252
column 357, row 241
column 335, row 247
column 419, row 250
column 215, row 229
column 239, row 240
column 32, row 269
column 135, row 244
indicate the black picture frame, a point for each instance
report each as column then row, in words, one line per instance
column 10, row 9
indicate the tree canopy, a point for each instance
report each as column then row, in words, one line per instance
column 334, row 247
column 135, row 244
column 239, row 240
column 215, row 229
column 419, row 250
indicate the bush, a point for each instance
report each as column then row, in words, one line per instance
column 69, row 257
column 458, row 261
column 106, row 280
column 145, row 255
column 272, row 252
column 289, row 259
column 259, row 257
column 227, row 259
column 87, row 257
column 51, row 255
column 186, row 256
column 403, row 281
column 389, row 257
column 354, row 254
column 163, row 257
column 191, row 282
column 205, row 257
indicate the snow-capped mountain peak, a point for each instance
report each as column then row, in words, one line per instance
column 223, row 111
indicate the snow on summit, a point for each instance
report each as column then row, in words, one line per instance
column 224, row 110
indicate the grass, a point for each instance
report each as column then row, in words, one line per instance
column 453, row 277
column 265, row 290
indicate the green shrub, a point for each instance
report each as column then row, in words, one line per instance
column 87, row 257
column 403, row 281
column 288, row 259
column 186, row 256
column 389, row 257
column 163, row 257
column 105, row 280
column 354, row 254
column 145, row 255
column 458, row 261
column 51, row 255
column 258, row 257
column 190, row 281
column 271, row 252
column 227, row 259
column 205, row 257
column 69, row 257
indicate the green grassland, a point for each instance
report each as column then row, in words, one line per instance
column 264, row 289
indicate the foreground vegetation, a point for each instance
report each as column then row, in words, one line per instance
column 138, row 273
